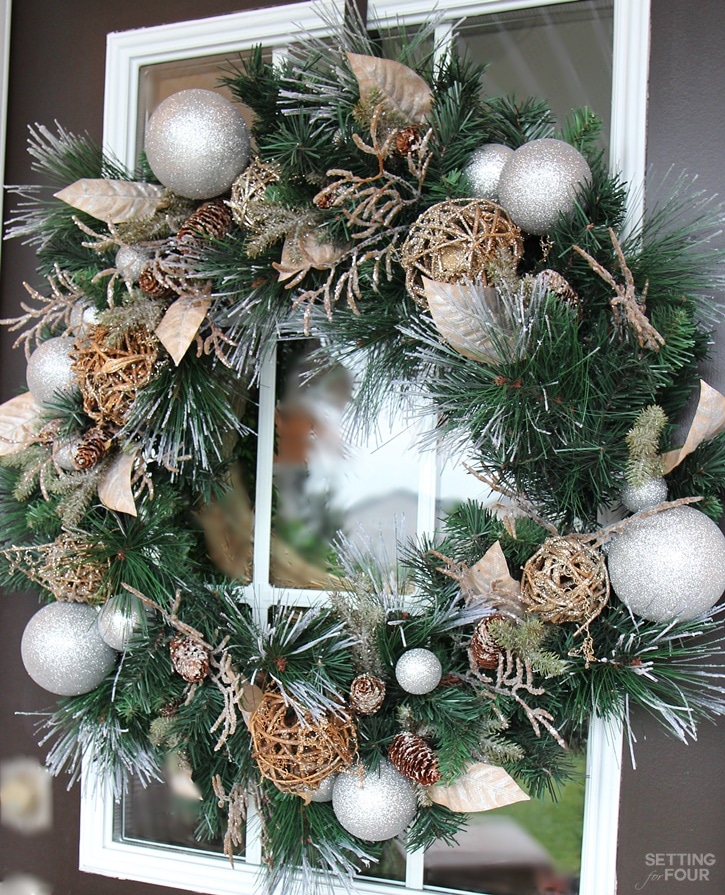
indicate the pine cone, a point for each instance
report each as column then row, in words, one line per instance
column 407, row 140
column 211, row 220
column 367, row 694
column 152, row 286
column 49, row 432
column 483, row 651
column 189, row 659
column 414, row 758
column 91, row 448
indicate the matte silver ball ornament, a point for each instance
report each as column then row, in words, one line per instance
column 418, row 671
column 669, row 565
column 50, row 370
column 483, row 171
column 197, row 143
column 62, row 649
column 374, row 804
column 645, row 496
column 119, row 619
column 540, row 181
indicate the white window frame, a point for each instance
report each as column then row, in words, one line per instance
column 127, row 53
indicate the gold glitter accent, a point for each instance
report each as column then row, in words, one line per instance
column 455, row 240
column 298, row 754
column 64, row 567
column 110, row 376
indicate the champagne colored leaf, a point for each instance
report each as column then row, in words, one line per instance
column 395, row 85
column 483, row 787
column 113, row 200
column 114, row 489
column 181, row 323
column 464, row 314
column 252, row 696
column 708, row 423
column 489, row 579
column 16, row 423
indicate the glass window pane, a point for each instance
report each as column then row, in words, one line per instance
column 330, row 479
column 561, row 53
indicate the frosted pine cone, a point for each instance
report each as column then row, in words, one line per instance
column 151, row 285
column 367, row 693
column 483, row 651
column 414, row 758
column 407, row 140
column 211, row 220
column 91, row 448
column 189, row 659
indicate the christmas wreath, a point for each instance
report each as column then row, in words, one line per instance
column 463, row 253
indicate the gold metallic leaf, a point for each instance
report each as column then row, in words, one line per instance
column 465, row 314
column 252, row 696
column 16, row 423
column 483, row 787
column 113, row 200
column 395, row 85
column 708, row 422
column 114, row 489
column 181, row 323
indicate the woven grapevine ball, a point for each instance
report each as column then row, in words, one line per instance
column 565, row 581
column 455, row 240
column 297, row 754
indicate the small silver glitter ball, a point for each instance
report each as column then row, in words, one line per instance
column 83, row 316
column 130, row 262
column 323, row 793
column 540, row 181
column 49, row 370
column 418, row 671
column 119, row 619
column 483, row 172
column 669, row 565
column 62, row 649
column 646, row 496
column 374, row 804
column 197, row 143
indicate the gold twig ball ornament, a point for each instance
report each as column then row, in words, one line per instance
column 298, row 754
column 62, row 649
column 374, row 803
column 197, row 143
column 669, row 565
column 565, row 581
column 455, row 240
column 540, row 181
column 483, row 171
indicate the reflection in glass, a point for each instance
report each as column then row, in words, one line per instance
column 529, row 848
column 330, row 480
column 165, row 812
column 561, row 53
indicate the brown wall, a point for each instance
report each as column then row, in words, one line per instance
column 674, row 801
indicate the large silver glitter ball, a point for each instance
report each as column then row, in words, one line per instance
column 540, row 181
column 646, row 496
column 119, row 619
column 197, row 143
column 49, row 370
column 483, row 172
column 62, row 649
column 418, row 671
column 669, row 565
column 374, row 804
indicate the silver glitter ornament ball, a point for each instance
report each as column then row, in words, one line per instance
column 646, row 496
column 418, row 671
column 197, row 143
column 323, row 793
column 483, row 172
column 83, row 317
column 130, row 262
column 120, row 618
column 374, row 804
column 669, row 565
column 62, row 649
column 540, row 181
column 49, row 370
